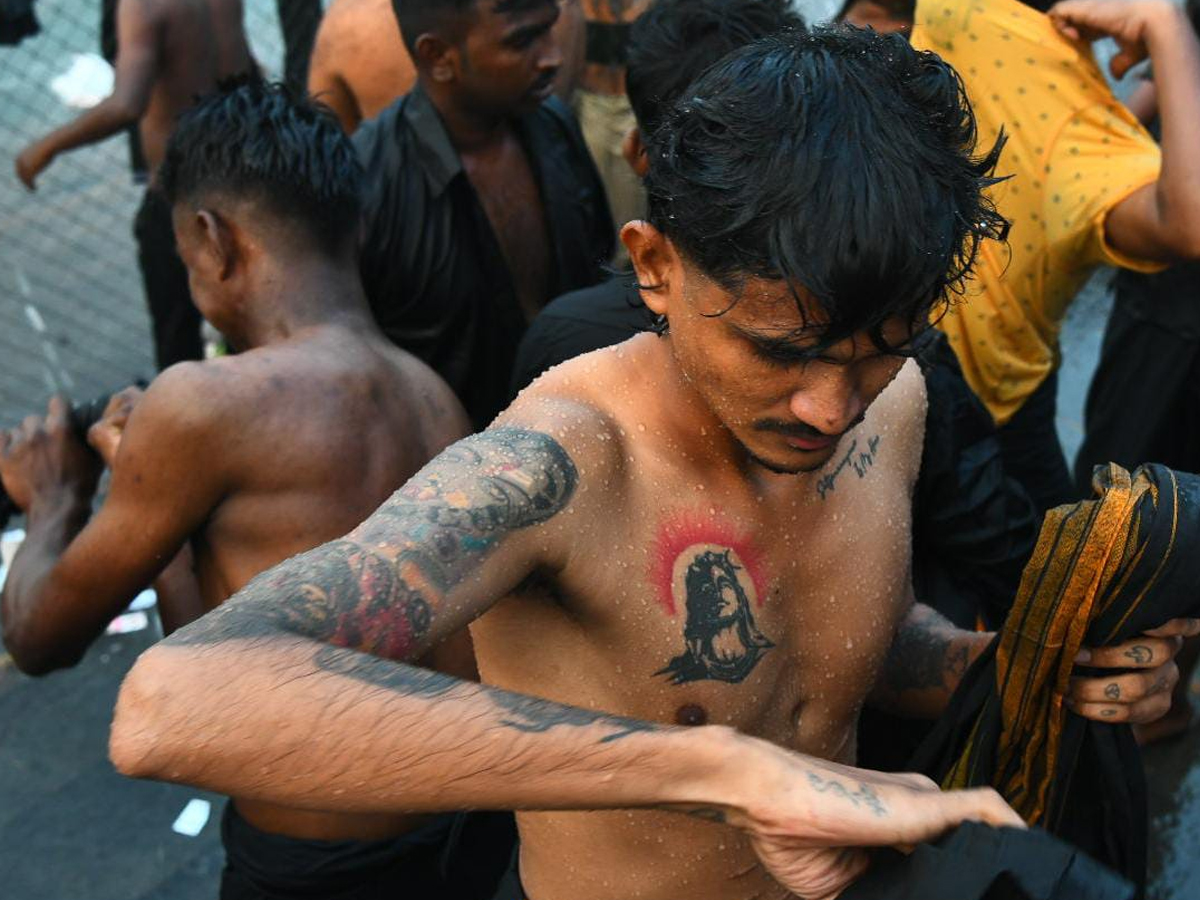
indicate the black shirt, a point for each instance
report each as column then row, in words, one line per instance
column 577, row 323
column 436, row 279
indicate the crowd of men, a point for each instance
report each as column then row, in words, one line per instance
column 639, row 415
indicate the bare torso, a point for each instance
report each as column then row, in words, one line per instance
column 318, row 433
column 504, row 182
column 199, row 43
column 758, row 601
column 359, row 63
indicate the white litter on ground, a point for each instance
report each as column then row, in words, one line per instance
column 194, row 817
column 88, row 81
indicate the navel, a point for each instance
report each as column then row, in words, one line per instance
column 691, row 714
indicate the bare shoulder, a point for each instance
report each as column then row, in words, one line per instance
column 573, row 414
column 899, row 412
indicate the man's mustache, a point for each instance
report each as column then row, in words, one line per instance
column 803, row 430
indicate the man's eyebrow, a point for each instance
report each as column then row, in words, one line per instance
column 784, row 343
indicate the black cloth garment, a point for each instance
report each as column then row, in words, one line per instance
column 973, row 531
column 1103, row 571
column 577, row 323
column 456, row 856
column 975, row 862
column 174, row 319
column 17, row 21
column 436, row 279
column 1032, row 452
column 1144, row 401
column 299, row 21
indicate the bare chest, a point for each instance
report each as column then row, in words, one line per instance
column 509, row 194
column 770, row 614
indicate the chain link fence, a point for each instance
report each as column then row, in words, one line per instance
column 72, row 312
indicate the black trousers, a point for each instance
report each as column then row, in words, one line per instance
column 1031, row 451
column 298, row 20
column 1144, row 402
column 174, row 319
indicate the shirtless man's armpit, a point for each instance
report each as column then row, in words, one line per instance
column 685, row 557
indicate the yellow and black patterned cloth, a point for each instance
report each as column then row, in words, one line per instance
column 1103, row 571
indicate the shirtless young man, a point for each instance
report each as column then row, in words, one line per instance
column 708, row 528
column 168, row 53
column 249, row 458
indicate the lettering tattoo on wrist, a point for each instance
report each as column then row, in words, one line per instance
column 381, row 591
column 863, row 797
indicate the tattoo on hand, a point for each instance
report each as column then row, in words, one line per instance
column 380, row 593
column 865, row 796
column 1112, row 691
column 1108, row 713
column 1140, row 654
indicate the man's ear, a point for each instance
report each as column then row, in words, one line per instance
column 655, row 262
column 217, row 242
column 437, row 58
column 634, row 152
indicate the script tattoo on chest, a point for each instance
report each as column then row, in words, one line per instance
column 721, row 640
column 857, row 459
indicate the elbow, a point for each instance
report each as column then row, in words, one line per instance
column 136, row 743
column 34, row 656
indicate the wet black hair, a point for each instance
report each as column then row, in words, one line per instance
column 674, row 41
column 418, row 17
column 255, row 139
column 840, row 161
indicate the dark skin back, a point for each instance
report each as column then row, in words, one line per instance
column 248, row 460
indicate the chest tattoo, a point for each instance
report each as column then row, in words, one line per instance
column 721, row 640
column 858, row 459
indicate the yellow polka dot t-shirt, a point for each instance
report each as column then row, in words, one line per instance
column 1074, row 152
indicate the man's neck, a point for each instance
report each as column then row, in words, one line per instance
column 469, row 130
column 299, row 295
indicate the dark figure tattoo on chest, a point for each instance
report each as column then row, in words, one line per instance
column 721, row 640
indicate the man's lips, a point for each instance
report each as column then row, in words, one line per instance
column 810, row 444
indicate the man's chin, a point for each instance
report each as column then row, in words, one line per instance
column 795, row 463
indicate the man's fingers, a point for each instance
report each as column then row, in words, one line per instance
column 983, row 805
column 1143, row 712
column 58, row 412
column 1128, row 688
column 1140, row 653
column 1176, row 627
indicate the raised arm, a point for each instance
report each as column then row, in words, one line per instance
column 1162, row 220
column 325, row 80
column 74, row 573
column 291, row 691
column 138, row 38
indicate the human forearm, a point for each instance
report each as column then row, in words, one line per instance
column 927, row 660
column 32, row 634
column 1175, row 55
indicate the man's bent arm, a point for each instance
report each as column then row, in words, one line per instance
column 133, row 80
column 1162, row 220
column 927, row 660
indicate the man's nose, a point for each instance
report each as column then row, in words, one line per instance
column 832, row 404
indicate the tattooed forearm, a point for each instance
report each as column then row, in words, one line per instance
column 864, row 796
column 516, row 711
column 925, row 654
column 380, row 592
column 532, row 715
